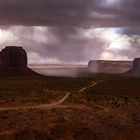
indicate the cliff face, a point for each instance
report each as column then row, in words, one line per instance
column 13, row 57
column 13, row 62
column 136, row 64
column 135, row 71
column 106, row 66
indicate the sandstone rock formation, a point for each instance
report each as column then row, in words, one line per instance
column 13, row 62
column 136, row 63
column 94, row 66
column 13, row 57
column 135, row 71
column 106, row 66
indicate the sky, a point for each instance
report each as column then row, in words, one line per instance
column 76, row 31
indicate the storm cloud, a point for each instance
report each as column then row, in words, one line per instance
column 70, row 13
column 64, row 31
column 72, row 45
column 54, row 44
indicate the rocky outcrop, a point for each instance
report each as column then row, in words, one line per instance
column 94, row 66
column 13, row 57
column 135, row 71
column 136, row 63
column 106, row 66
column 13, row 62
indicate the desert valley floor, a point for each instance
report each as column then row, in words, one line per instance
column 99, row 107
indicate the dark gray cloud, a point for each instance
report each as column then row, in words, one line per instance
column 69, row 33
column 70, row 13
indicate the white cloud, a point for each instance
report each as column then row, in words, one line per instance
column 78, row 45
column 111, row 56
column 6, row 36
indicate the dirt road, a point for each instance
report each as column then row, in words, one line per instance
column 92, row 85
column 38, row 106
column 52, row 105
